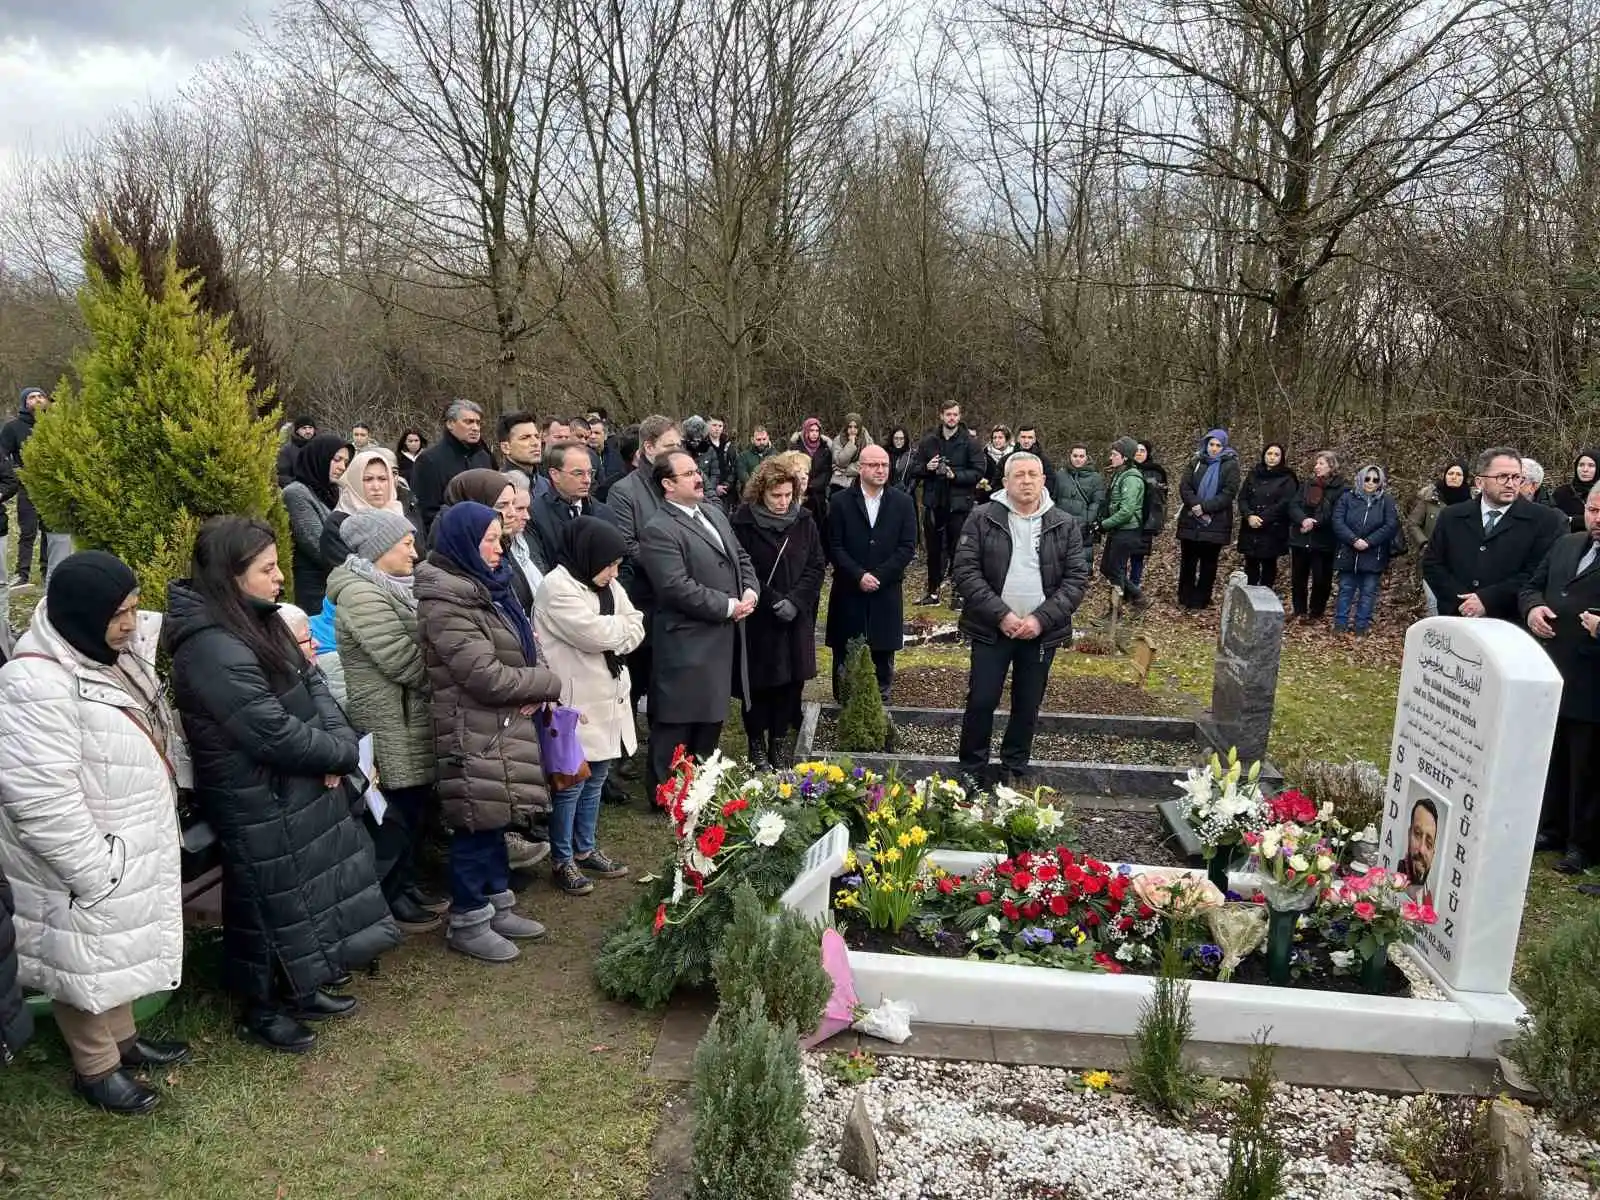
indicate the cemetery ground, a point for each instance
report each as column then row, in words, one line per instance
column 458, row 1079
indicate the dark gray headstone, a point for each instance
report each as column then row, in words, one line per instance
column 1246, row 676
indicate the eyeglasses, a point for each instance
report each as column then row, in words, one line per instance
column 579, row 472
column 693, row 473
column 1504, row 477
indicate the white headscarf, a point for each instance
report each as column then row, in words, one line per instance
column 353, row 498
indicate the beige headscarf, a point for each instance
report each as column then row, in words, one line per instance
column 353, row 499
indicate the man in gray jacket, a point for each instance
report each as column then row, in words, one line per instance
column 1021, row 569
column 704, row 586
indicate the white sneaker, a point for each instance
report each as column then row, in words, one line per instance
column 521, row 853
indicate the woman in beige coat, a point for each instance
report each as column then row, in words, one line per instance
column 587, row 626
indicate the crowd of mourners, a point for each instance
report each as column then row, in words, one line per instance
column 478, row 624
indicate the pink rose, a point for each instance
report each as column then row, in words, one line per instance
column 1366, row 910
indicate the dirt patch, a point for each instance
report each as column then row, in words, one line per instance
column 946, row 687
column 1118, row 835
column 941, row 741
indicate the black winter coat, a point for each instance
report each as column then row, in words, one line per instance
column 548, row 518
column 1156, row 494
column 16, row 1019
column 1219, row 530
column 789, row 565
column 818, row 482
column 964, row 456
column 1266, row 494
column 1371, row 519
column 983, row 556
column 1321, row 535
column 884, row 550
column 1459, row 559
column 1556, row 582
column 437, row 466
column 301, row 903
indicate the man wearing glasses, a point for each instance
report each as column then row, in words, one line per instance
column 571, row 471
column 1483, row 551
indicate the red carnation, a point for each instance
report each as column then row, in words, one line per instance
column 985, row 897
column 1107, row 963
column 1093, row 885
column 1059, row 905
column 1033, row 909
column 711, row 841
column 947, row 885
column 1021, row 880
column 1025, row 860
column 661, row 918
column 1047, row 873
column 1125, row 924
column 1145, row 912
column 1011, row 911
column 737, row 804
column 1091, row 918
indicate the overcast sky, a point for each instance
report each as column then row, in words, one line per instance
column 67, row 64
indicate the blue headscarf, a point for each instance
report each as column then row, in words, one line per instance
column 1211, row 481
column 461, row 528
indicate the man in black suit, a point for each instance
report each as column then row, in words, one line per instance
column 704, row 586
column 570, row 468
column 1561, row 604
column 1483, row 551
column 871, row 540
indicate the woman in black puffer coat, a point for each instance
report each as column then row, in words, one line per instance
column 16, row 1019
column 1264, row 515
column 271, row 750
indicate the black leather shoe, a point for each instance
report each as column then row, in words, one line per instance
column 1575, row 862
column 140, row 1053
column 427, row 900
column 411, row 916
column 1546, row 842
column 118, row 1093
column 339, row 984
column 277, row 1031
column 319, row 1006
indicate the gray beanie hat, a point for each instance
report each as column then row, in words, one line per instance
column 696, row 428
column 1126, row 447
column 373, row 532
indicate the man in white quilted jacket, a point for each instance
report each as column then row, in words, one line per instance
column 88, row 823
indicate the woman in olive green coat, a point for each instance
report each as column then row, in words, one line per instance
column 386, row 685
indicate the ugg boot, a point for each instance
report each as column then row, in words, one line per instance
column 509, row 923
column 472, row 934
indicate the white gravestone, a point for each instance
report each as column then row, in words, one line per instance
column 809, row 893
column 1472, row 734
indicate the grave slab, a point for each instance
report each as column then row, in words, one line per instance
column 1245, row 679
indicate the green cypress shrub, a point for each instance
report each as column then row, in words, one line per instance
column 778, row 955
column 749, row 1107
column 157, row 432
column 863, row 724
column 1256, row 1155
column 1157, row 1073
column 1559, row 1045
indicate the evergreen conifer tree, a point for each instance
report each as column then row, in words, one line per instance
column 158, row 431
column 863, row 724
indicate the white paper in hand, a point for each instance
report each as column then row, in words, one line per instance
column 376, row 804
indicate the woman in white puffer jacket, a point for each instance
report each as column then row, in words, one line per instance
column 88, row 822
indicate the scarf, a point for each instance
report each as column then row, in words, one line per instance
column 353, row 498
column 399, row 586
column 1211, row 481
column 479, row 485
column 314, row 462
column 590, row 546
column 1453, row 495
column 1262, row 471
column 996, row 453
column 461, row 528
column 811, row 436
column 773, row 522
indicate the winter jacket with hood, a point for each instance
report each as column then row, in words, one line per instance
column 16, row 432
column 301, row 904
column 488, row 752
column 1266, row 493
column 1571, row 496
column 1215, row 525
column 963, row 457
column 16, row 1018
column 1082, row 492
column 983, row 562
column 1124, row 507
column 1369, row 517
column 88, row 820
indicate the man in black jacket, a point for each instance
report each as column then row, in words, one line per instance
column 460, row 449
column 301, row 432
column 952, row 464
column 570, row 469
column 13, row 437
column 871, row 540
column 1483, row 551
column 1022, row 569
column 1561, row 604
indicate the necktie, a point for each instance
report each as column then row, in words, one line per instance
column 1588, row 559
column 577, row 510
column 1490, row 520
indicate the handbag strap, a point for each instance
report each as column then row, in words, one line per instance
column 775, row 563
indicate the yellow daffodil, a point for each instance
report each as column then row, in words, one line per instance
column 891, row 855
column 874, row 815
column 849, row 860
column 786, row 790
column 918, row 834
column 1097, row 1079
column 904, row 841
column 847, row 900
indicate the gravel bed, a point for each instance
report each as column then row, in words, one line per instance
column 946, row 687
column 940, row 741
column 1120, row 835
column 984, row 1131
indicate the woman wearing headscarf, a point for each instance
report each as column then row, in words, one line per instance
column 88, row 823
column 1264, row 498
column 587, row 627
column 846, row 451
column 272, row 754
column 487, row 683
column 810, row 442
column 386, row 684
column 310, row 497
column 777, row 642
column 1449, row 487
column 371, row 481
column 1156, row 492
column 1205, row 525
column 1365, row 522
column 1570, row 497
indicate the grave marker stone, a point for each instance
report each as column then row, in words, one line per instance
column 808, row 894
column 1246, row 675
column 1473, row 727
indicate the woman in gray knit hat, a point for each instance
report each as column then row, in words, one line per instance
column 375, row 621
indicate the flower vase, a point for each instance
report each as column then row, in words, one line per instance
column 1217, row 867
column 1375, row 971
column 1284, row 906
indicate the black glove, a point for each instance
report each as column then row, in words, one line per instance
column 785, row 610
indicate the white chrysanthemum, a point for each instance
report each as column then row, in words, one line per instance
column 700, row 863
column 769, row 828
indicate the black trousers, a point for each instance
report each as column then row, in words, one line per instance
column 943, row 528
column 1029, row 664
column 773, row 710
column 1315, row 566
column 1261, row 571
column 29, row 527
column 882, row 667
column 1120, row 549
column 698, row 738
column 1571, row 811
column 1197, row 572
column 394, row 843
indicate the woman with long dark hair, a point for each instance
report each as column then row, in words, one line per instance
column 1264, row 499
column 412, row 444
column 272, row 752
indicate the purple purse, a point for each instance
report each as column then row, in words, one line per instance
column 560, row 751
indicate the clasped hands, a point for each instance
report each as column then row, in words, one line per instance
column 1022, row 628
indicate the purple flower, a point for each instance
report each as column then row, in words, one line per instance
column 1033, row 935
column 857, row 773
column 850, row 880
column 1124, row 869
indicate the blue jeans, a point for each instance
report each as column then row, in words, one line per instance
column 478, row 868
column 1136, row 570
column 574, row 814
column 1361, row 587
